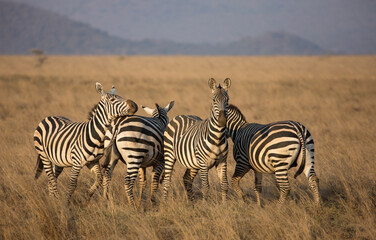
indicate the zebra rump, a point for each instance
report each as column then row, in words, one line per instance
column 271, row 148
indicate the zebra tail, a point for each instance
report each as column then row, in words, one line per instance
column 302, row 152
column 162, row 176
column 108, row 145
column 38, row 168
column 106, row 158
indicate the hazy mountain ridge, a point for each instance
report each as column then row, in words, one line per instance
column 23, row 27
column 345, row 26
column 271, row 43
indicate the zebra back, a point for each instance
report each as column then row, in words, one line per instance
column 258, row 142
column 146, row 131
column 63, row 142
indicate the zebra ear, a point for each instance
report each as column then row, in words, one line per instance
column 212, row 83
column 148, row 110
column 169, row 106
column 227, row 83
column 99, row 88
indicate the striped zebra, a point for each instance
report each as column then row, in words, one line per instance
column 138, row 142
column 271, row 148
column 62, row 143
column 199, row 144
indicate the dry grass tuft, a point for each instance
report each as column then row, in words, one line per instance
column 335, row 97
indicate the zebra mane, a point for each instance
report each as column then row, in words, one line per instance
column 237, row 110
column 92, row 112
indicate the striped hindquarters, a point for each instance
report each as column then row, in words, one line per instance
column 280, row 145
column 272, row 148
column 54, row 138
column 140, row 138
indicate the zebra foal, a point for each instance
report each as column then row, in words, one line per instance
column 199, row 144
column 138, row 142
column 271, row 148
column 62, row 143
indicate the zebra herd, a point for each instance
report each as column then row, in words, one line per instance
column 198, row 145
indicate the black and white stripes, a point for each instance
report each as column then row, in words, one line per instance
column 271, row 148
column 199, row 144
column 62, row 143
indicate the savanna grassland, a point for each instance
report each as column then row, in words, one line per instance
column 334, row 96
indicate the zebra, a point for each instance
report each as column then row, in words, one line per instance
column 61, row 143
column 271, row 148
column 138, row 142
column 199, row 144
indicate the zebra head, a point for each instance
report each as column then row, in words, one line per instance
column 159, row 112
column 115, row 106
column 220, row 100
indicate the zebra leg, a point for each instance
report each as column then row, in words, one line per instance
column 132, row 171
column 222, row 174
column 169, row 166
column 107, row 177
column 156, row 175
column 142, row 180
column 204, row 169
column 240, row 171
column 52, row 182
column 258, row 186
column 313, row 182
column 284, row 185
column 188, row 180
column 276, row 183
column 75, row 171
column 309, row 171
column 96, row 169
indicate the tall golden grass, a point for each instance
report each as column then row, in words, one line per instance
column 335, row 97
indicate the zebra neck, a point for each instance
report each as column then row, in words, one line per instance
column 164, row 121
column 234, row 127
column 99, row 123
column 213, row 119
column 233, row 133
column 216, row 132
column 160, row 122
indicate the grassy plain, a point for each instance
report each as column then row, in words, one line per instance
column 334, row 96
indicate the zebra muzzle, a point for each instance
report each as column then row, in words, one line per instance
column 222, row 118
column 132, row 107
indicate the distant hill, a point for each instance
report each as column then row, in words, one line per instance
column 23, row 27
column 346, row 26
column 273, row 43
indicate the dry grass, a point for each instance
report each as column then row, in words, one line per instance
column 335, row 97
